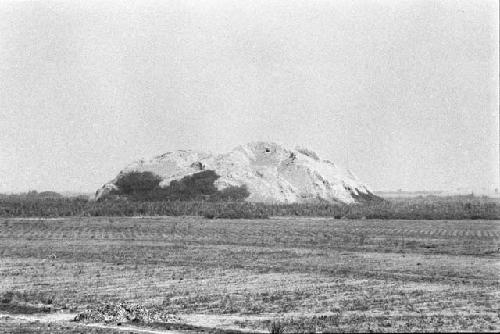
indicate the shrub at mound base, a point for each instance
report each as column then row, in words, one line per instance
column 137, row 182
column 145, row 186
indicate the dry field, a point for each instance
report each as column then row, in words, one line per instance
column 171, row 274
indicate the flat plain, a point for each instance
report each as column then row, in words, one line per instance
column 189, row 274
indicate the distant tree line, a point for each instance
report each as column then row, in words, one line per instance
column 33, row 194
column 457, row 208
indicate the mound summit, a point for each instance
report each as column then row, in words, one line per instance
column 270, row 172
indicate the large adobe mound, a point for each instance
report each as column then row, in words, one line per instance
column 271, row 173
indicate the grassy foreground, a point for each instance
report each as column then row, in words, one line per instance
column 298, row 274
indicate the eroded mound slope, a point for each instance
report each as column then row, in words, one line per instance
column 270, row 172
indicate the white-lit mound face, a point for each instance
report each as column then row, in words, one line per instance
column 271, row 172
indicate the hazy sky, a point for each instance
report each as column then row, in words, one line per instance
column 404, row 92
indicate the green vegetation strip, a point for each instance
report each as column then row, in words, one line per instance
column 435, row 208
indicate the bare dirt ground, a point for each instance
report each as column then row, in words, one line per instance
column 171, row 274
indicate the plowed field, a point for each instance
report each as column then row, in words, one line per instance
column 310, row 274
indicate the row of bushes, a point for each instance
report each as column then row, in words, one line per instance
column 469, row 208
column 145, row 186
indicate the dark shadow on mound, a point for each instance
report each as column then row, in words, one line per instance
column 145, row 186
column 366, row 198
